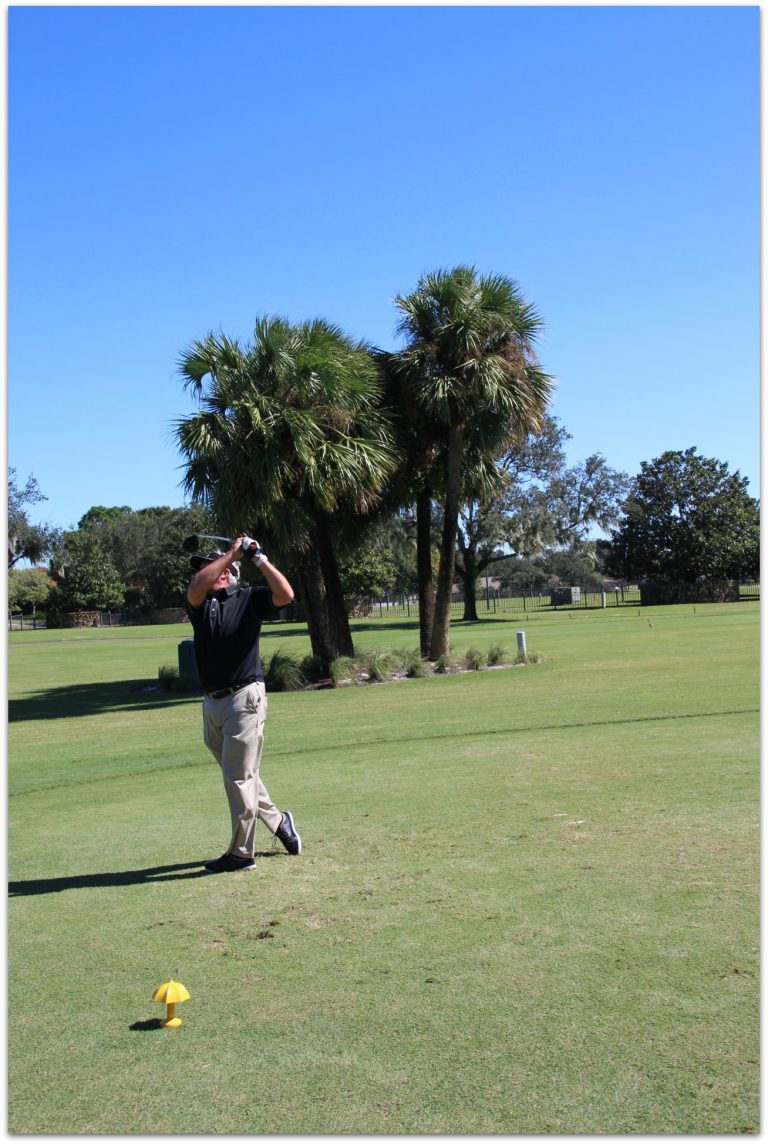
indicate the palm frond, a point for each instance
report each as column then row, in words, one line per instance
column 291, row 420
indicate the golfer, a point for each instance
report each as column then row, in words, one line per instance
column 226, row 620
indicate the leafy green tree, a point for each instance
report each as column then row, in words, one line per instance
column 28, row 589
column 585, row 495
column 687, row 518
column 86, row 579
column 536, row 576
column 395, row 536
column 103, row 515
column 572, row 567
column 514, row 514
column 380, row 555
column 163, row 567
column 129, row 537
column 289, row 434
column 469, row 353
column 122, row 534
column 27, row 541
column 145, row 546
column 369, row 572
column 523, row 576
column 537, row 507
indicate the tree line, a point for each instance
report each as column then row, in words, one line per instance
column 360, row 469
column 114, row 557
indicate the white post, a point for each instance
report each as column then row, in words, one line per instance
column 604, row 599
column 521, row 643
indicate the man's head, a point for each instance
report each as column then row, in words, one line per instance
column 227, row 579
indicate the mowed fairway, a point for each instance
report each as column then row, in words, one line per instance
column 527, row 901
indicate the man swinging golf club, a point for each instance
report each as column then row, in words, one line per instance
column 226, row 620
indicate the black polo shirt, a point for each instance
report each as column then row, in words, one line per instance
column 226, row 627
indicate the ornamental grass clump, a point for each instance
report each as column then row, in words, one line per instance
column 526, row 657
column 474, row 659
column 311, row 668
column 379, row 664
column 171, row 679
column 496, row 655
column 342, row 670
column 411, row 664
column 168, row 676
column 283, row 673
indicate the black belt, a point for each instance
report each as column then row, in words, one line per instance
column 230, row 690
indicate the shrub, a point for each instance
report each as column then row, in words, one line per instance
column 283, row 673
column 474, row 658
column 444, row 664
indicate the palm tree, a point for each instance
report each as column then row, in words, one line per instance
column 420, row 444
column 481, row 487
column 289, row 432
column 470, row 350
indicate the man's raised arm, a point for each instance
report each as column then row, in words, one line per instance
column 282, row 592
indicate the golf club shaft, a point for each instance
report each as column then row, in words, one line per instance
column 228, row 540
column 192, row 543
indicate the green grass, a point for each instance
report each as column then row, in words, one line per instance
column 527, row 902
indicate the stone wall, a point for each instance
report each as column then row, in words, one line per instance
column 168, row 616
column 136, row 616
column 73, row 620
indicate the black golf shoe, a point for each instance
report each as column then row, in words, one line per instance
column 229, row 862
column 286, row 832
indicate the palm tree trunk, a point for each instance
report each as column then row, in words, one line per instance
column 469, row 556
column 442, row 622
column 309, row 580
column 426, row 586
column 334, row 596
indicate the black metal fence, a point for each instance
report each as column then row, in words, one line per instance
column 497, row 603
column 491, row 603
column 18, row 622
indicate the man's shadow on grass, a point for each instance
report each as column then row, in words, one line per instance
column 179, row 872
column 94, row 698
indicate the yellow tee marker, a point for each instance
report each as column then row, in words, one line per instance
column 171, row 992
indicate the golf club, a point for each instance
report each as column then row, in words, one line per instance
column 192, row 543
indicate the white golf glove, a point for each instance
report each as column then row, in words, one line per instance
column 252, row 549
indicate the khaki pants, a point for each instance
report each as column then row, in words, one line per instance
column 233, row 730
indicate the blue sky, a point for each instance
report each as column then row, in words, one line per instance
column 175, row 170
